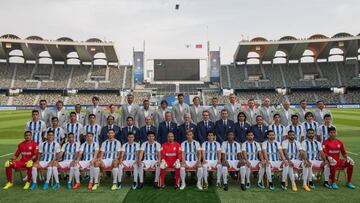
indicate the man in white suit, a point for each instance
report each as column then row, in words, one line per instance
column 320, row 112
column 214, row 110
column 233, row 108
column 44, row 112
column 95, row 109
column 196, row 110
column 129, row 109
column 160, row 113
column 179, row 109
column 251, row 112
column 60, row 113
column 286, row 113
column 143, row 113
column 302, row 111
column 267, row 111
column 80, row 117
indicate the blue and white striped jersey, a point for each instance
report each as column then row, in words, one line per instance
column 88, row 150
column 150, row 150
column 323, row 132
column 111, row 149
column 48, row 150
column 190, row 150
column 36, row 128
column 231, row 150
column 272, row 150
column 279, row 131
column 313, row 125
column 70, row 150
column 59, row 133
column 75, row 128
column 130, row 151
column 211, row 149
column 252, row 150
column 298, row 130
column 292, row 149
column 312, row 149
column 95, row 129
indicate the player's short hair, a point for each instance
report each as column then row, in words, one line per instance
column 89, row 133
column 130, row 133
column 130, row 95
column 34, row 111
column 241, row 113
column 277, row 114
column 95, row 98
column 331, row 128
column 189, row 131
column 206, row 111
column 303, row 100
column 327, row 116
column 248, row 132
column 73, row 113
column 258, row 116
column 110, row 116
column 211, row 132
column 111, row 129
column 78, row 105
column 291, row 131
column 320, row 101
column 196, row 97
column 42, row 100
column 180, row 95
column 294, row 116
column 308, row 114
column 229, row 132
column 91, row 115
column 49, row 131
column 251, row 99
column 146, row 100
column 129, row 117
column 310, row 130
column 27, row 131
column 150, row 133
column 70, row 133
column 214, row 98
column 164, row 102
column 269, row 131
column 59, row 102
column 54, row 118
column 224, row 110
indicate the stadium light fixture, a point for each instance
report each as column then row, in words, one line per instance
column 341, row 44
column 8, row 45
column 257, row 48
column 92, row 49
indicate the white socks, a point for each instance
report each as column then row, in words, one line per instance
column 261, row 174
column 34, row 174
column 48, row 174
column 285, row 170
column 182, row 175
column 56, row 174
column 243, row 174
column 115, row 172
column 96, row 174
column 120, row 174
column 225, row 174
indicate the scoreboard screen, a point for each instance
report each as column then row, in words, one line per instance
column 176, row 69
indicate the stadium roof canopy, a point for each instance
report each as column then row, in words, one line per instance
column 61, row 49
column 294, row 49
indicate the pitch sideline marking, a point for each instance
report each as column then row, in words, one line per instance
column 5, row 155
column 353, row 153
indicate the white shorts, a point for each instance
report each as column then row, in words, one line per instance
column 107, row 162
column 65, row 164
column 44, row 164
column 128, row 163
column 84, row 164
column 254, row 163
column 275, row 164
column 190, row 164
column 316, row 163
column 233, row 164
column 149, row 164
column 210, row 164
column 297, row 163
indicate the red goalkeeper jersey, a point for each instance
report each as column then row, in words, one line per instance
column 333, row 148
column 27, row 149
column 171, row 152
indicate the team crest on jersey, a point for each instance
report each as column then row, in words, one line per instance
column 174, row 148
column 30, row 148
column 338, row 146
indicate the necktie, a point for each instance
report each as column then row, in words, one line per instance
column 225, row 125
column 169, row 126
column 206, row 124
column 148, row 129
column 187, row 126
column 260, row 128
column 241, row 125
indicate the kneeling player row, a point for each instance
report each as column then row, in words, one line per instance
column 249, row 156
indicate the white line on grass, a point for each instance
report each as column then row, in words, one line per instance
column 352, row 153
column 5, row 155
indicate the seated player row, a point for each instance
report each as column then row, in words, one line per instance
column 220, row 127
column 269, row 156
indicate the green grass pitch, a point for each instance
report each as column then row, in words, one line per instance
column 12, row 125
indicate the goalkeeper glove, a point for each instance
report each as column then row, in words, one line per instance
column 8, row 163
column 350, row 160
column 332, row 161
column 177, row 163
column 163, row 164
column 29, row 163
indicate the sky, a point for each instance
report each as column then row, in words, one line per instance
column 166, row 31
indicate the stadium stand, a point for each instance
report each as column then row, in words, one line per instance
column 6, row 73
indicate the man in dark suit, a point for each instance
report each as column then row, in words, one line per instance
column 110, row 125
column 259, row 130
column 223, row 126
column 147, row 128
column 241, row 127
column 165, row 127
column 204, row 126
column 129, row 128
column 187, row 125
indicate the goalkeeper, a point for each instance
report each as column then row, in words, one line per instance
column 332, row 147
column 28, row 150
column 170, row 156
